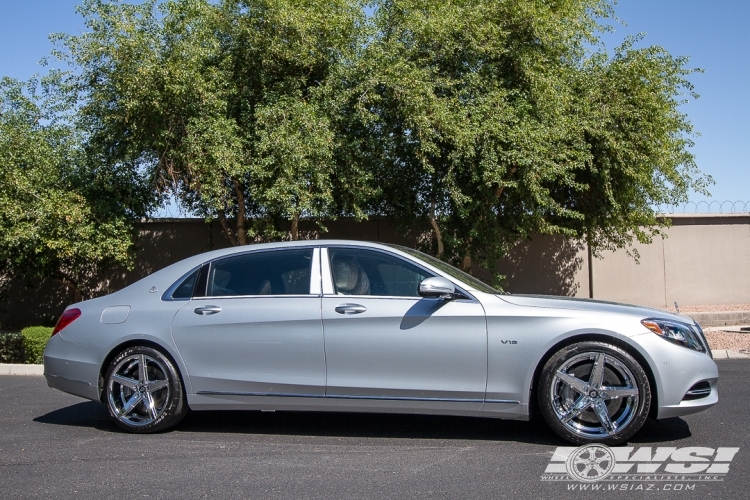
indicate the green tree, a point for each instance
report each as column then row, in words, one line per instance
column 498, row 119
column 59, row 217
column 479, row 121
column 223, row 104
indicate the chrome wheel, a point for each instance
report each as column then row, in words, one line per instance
column 594, row 392
column 138, row 390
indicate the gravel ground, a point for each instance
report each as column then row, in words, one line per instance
column 729, row 340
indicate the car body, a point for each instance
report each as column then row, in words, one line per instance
column 331, row 325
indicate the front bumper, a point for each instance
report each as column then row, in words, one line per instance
column 676, row 370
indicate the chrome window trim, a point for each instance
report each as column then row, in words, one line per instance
column 167, row 295
column 316, row 286
column 330, row 291
column 211, row 262
column 277, row 296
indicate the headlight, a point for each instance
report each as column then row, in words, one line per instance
column 677, row 333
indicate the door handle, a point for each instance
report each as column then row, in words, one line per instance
column 350, row 309
column 206, row 310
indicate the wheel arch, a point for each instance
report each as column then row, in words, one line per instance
column 132, row 343
column 595, row 337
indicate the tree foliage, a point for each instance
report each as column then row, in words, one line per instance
column 223, row 104
column 478, row 121
column 497, row 120
column 59, row 217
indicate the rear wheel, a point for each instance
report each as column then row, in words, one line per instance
column 143, row 391
column 594, row 392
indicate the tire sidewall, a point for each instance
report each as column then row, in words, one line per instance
column 175, row 408
column 565, row 353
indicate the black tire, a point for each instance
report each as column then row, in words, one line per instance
column 144, row 401
column 583, row 410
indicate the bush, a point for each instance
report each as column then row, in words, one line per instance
column 34, row 341
column 11, row 347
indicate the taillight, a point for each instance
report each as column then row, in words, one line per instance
column 69, row 316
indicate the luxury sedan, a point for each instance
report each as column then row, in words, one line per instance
column 364, row 327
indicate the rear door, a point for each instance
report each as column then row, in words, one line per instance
column 256, row 329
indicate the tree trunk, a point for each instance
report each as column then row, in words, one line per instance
column 466, row 264
column 227, row 230
column 241, row 233
column 438, row 234
column 295, row 227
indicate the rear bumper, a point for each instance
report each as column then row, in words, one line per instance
column 73, row 368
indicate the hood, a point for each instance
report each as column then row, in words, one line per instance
column 555, row 302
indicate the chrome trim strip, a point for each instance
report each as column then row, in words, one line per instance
column 281, row 395
column 343, row 396
column 316, row 288
column 406, row 398
column 167, row 295
column 279, row 296
column 504, row 401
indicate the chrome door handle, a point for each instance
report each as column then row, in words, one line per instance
column 206, row 310
column 350, row 309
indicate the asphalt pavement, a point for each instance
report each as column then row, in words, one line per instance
column 54, row 445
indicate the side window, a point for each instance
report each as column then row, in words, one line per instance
column 185, row 289
column 283, row 272
column 368, row 272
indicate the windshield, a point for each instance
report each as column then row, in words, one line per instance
column 448, row 269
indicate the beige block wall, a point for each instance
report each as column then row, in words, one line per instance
column 549, row 265
column 708, row 264
column 704, row 260
column 619, row 278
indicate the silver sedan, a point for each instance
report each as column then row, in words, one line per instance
column 364, row 327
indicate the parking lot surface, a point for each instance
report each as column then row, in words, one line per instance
column 59, row 446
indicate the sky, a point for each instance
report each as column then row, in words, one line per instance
column 713, row 33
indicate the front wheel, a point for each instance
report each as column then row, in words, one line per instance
column 143, row 391
column 594, row 392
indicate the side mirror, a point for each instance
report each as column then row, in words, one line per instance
column 437, row 287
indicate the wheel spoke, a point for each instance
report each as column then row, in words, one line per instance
column 597, row 373
column 157, row 385
column 128, row 382
column 601, row 413
column 618, row 392
column 142, row 372
column 576, row 384
column 582, row 404
column 134, row 400
column 150, row 405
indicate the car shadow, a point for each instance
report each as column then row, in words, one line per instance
column 87, row 414
column 365, row 425
column 660, row 431
column 420, row 312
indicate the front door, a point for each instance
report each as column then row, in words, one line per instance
column 384, row 341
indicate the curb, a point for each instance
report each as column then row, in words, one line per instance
column 14, row 369
column 720, row 354
column 721, row 318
